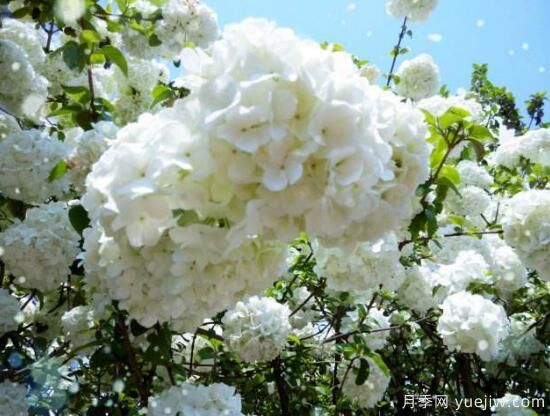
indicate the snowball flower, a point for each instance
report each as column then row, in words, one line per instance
column 27, row 37
column 414, row 10
column 472, row 324
column 438, row 105
column 533, row 146
column 416, row 292
column 471, row 173
column 257, row 329
column 372, row 391
column 13, row 400
column 370, row 72
column 8, row 125
column 23, row 92
column 521, row 341
column 26, row 161
column 77, row 325
column 69, row 11
column 10, row 315
column 526, row 225
column 189, row 399
column 418, row 78
column 39, row 250
column 367, row 267
column 472, row 201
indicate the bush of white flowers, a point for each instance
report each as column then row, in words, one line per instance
column 206, row 221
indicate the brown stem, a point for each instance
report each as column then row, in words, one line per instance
column 281, row 386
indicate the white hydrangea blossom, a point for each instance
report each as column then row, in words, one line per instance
column 8, row 125
column 10, row 315
column 472, row 324
column 39, row 250
column 25, row 35
column 416, row 292
column 26, row 161
column 369, row 393
column 512, row 405
column 87, row 147
column 13, row 400
column 299, row 140
column 256, row 330
column 533, row 145
column 189, row 399
column 376, row 320
column 77, row 325
column 526, row 225
column 23, row 92
column 471, row 202
column 414, row 10
column 471, row 173
column 508, row 272
column 186, row 21
column 370, row 72
column 521, row 341
column 365, row 268
column 132, row 95
column 418, row 78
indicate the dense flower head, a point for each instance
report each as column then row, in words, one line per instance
column 521, row 341
column 471, row 173
column 77, row 324
column 8, row 125
column 26, row 161
column 23, row 91
column 414, row 10
column 526, row 225
column 39, row 250
column 25, row 35
column 10, row 315
column 472, row 201
column 416, row 292
column 438, row 105
column 257, row 329
column 13, row 399
column 196, row 400
column 365, row 268
column 299, row 140
column 533, row 146
column 369, row 393
column 472, row 324
column 418, row 78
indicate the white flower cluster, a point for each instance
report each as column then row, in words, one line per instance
column 8, row 125
column 10, row 315
column 365, row 268
column 372, row 391
column 39, row 250
column 521, row 341
column 418, row 78
column 370, row 72
column 25, row 35
column 473, row 324
column 471, row 202
column 132, row 95
column 13, row 400
column 87, row 147
column 414, row 10
column 77, row 325
column 416, row 292
column 300, row 141
column 196, row 400
column 471, row 173
column 256, row 330
column 26, row 161
column 185, row 21
column 278, row 136
column 526, row 225
column 512, row 405
column 438, row 105
column 533, row 145
column 23, row 91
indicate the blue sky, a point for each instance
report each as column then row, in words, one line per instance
column 510, row 35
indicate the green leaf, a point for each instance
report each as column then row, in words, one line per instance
column 154, row 40
column 452, row 115
column 97, row 58
column 479, row 149
column 450, row 173
column 363, row 372
column 90, row 36
column 430, row 119
column 79, row 94
column 22, row 12
column 79, row 218
column 479, row 132
column 116, row 57
column 186, row 217
column 74, row 55
column 380, row 363
column 58, row 171
column 160, row 93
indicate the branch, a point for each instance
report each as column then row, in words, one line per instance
column 281, row 386
column 396, row 50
